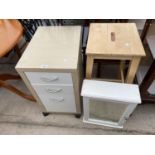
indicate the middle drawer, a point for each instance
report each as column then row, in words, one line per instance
column 49, row 78
column 52, row 90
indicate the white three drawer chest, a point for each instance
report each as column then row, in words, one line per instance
column 51, row 67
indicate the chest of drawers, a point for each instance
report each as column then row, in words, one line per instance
column 51, row 67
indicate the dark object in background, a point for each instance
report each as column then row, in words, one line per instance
column 149, row 77
column 31, row 25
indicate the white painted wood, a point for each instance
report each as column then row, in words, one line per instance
column 101, row 122
column 49, row 78
column 57, row 98
column 111, row 91
column 88, row 119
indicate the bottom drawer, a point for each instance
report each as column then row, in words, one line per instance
column 55, row 100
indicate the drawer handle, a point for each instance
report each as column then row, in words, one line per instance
column 60, row 99
column 53, row 90
column 49, row 80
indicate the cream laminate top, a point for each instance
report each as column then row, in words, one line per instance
column 54, row 47
column 127, row 41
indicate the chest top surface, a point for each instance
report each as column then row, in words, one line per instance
column 117, row 39
column 128, row 93
column 54, row 47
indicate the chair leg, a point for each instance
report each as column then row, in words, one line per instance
column 16, row 91
column 17, row 51
column 5, row 77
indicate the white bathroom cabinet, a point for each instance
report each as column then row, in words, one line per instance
column 108, row 103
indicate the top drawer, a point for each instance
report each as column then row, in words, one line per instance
column 49, row 78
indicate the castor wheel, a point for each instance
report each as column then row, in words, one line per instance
column 46, row 113
column 77, row 115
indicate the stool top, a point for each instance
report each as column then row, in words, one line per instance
column 10, row 32
column 114, row 39
column 126, row 93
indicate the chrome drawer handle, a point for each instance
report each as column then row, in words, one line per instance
column 49, row 80
column 59, row 99
column 53, row 90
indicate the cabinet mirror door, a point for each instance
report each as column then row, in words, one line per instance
column 104, row 112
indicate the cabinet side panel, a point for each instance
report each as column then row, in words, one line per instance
column 77, row 76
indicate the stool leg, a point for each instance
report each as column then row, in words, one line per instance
column 89, row 67
column 122, row 66
column 134, row 63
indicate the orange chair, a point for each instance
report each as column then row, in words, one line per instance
column 11, row 31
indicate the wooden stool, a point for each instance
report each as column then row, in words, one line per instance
column 116, row 41
column 11, row 32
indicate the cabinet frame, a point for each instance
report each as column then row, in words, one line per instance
column 126, row 114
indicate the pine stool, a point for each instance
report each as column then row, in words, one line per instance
column 116, row 41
